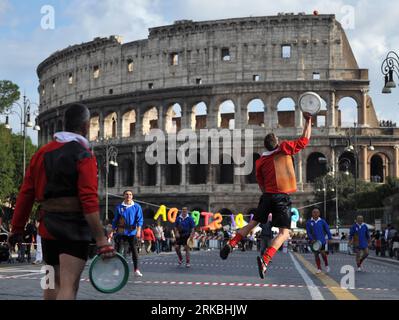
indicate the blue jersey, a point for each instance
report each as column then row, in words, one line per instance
column 185, row 226
column 360, row 234
column 127, row 219
column 317, row 230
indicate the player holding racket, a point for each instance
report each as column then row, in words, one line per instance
column 317, row 229
column 275, row 175
column 62, row 177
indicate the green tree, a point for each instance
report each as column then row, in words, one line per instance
column 7, row 165
column 9, row 93
column 18, row 152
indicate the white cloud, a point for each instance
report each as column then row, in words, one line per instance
column 128, row 18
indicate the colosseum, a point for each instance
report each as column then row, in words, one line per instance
column 241, row 73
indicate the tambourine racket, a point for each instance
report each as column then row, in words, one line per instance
column 310, row 102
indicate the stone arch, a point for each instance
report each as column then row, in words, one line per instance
column 198, row 172
column 251, row 178
column 379, row 167
column 149, row 174
column 173, row 118
column 60, row 126
column 129, row 124
column 173, row 174
column 150, row 120
column 315, row 169
column 255, row 112
column 286, row 112
column 110, row 125
column 94, row 130
column 127, row 173
column 225, row 170
column 347, row 113
column 199, row 114
column 51, row 130
column 226, row 114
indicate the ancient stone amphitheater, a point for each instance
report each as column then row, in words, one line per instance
column 242, row 73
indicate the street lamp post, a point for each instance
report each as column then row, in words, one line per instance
column 111, row 154
column 390, row 66
column 24, row 115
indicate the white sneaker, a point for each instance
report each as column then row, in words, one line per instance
column 137, row 273
column 328, row 269
column 318, row 271
column 359, row 269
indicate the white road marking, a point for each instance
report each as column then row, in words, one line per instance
column 313, row 290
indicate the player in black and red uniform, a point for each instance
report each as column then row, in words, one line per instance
column 275, row 175
column 62, row 177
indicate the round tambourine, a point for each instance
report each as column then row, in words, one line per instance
column 109, row 275
column 190, row 242
column 310, row 102
column 316, row 246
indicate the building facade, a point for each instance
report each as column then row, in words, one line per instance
column 241, row 73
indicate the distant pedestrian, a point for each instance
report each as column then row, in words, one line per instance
column 184, row 229
column 359, row 237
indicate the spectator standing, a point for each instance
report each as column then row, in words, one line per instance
column 159, row 237
column 149, row 238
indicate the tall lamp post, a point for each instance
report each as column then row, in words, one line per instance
column 24, row 115
column 111, row 153
column 390, row 66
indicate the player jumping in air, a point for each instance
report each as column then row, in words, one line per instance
column 275, row 175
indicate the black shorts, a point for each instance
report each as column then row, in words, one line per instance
column 182, row 240
column 53, row 248
column 279, row 205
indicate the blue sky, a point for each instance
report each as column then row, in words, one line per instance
column 24, row 44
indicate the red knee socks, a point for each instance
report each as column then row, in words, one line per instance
column 268, row 255
column 233, row 242
column 318, row 262
column 325, row 260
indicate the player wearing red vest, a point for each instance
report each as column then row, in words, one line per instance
column 62, row 177
column 275, row 175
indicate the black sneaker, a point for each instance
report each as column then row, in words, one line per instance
column 262, row 267
column 225, row 251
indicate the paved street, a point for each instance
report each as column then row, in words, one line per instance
column 291, row 276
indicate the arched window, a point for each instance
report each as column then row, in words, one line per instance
column 226, row 170
column 286, row 113
column 226, row 115
column 129, row 124
column 347, row 112
column 255, row 112
column 94, row 131
column 198, row 172
column 315, row 167
column 173, row 118
column 150, row 120
column 378, row 167
column 110, row 123
column 173, row 174
column 198, row 116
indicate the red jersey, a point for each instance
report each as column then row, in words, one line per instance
column 57, row 170
column 275, row 169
